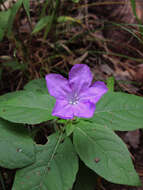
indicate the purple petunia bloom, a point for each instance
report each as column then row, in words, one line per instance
column 75, row 96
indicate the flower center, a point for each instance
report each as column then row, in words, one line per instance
column 73, row 99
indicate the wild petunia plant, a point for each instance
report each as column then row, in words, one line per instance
column 80, row 118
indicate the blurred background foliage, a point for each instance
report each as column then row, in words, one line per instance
column 38, row 37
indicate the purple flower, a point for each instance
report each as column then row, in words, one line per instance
column 76, row 96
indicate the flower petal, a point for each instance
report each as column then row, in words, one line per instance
column 95, row 92
column 63, row 110
column 80, row 77
column 57, row 85
column 84, row 109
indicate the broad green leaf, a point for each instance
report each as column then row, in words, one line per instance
column 119, row 111
column 16, row 146
column 37, row 85
column 55, row 167
column 6, row 97
column 4, row 16
column 105, row 153
column 29, row 107
column 41, row 24
column 86, row 179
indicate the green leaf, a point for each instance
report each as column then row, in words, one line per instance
column 110, row 84
column 5, row 97
column 43, row 22
column 13, row 13
column 133, row 4
column 37, row 85
column 69, row 129
column 26, row 4
column 55, row 167
column 4, row 16
column 105, row 153
column 14, row 65
column 76, row 1
column 1, row 34
column 16, row 146
column 62, row 19
column 119, row 111
column 86, row 179
column 29, row 107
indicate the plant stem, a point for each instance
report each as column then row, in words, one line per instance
column 43, row 12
